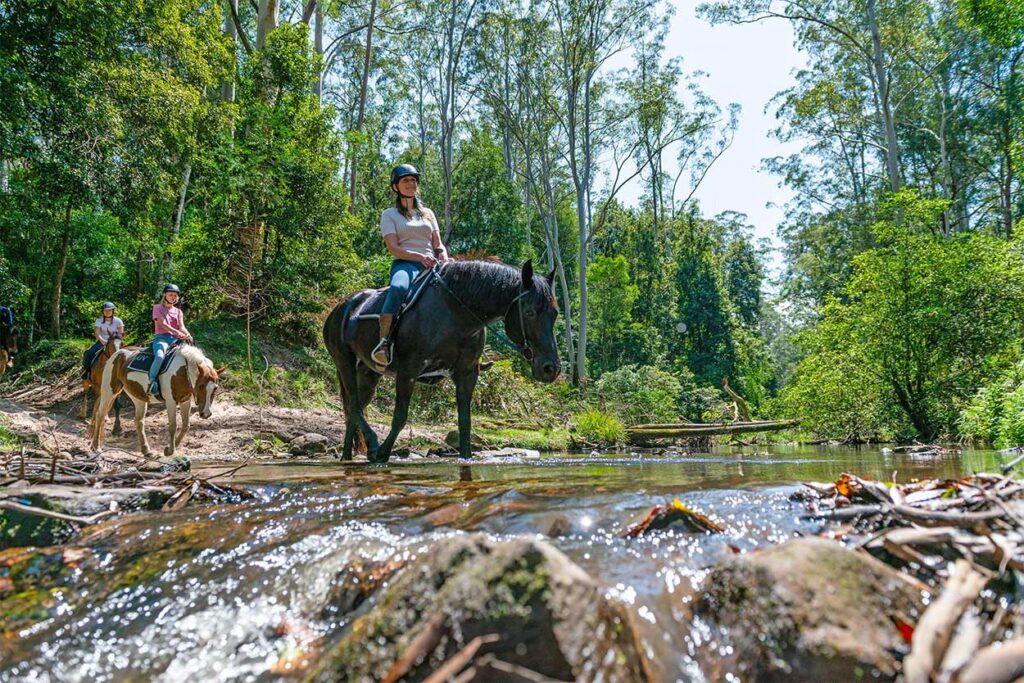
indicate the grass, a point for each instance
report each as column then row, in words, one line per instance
column 541, row 439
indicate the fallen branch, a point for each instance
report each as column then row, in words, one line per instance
column 460, row 659
column 934, row 630
column 40, row 512
column 1000, row 663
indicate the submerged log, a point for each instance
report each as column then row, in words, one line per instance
column 684, row 431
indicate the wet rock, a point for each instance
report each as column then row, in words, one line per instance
column 19, row 528
column 357, row 582
column 549, row 615
column 509, row 453
column 809, row 609
column 178, row 463
column 309, row 444
column 475, row 440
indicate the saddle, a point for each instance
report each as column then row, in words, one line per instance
column 143, row 360
column 371, row 306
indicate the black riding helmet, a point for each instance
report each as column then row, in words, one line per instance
column 171, row 288
column 403, row 170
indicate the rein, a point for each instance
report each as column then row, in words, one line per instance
column 524, row 348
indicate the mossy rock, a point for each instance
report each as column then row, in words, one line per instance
column 476, row 440
column 809, row 609
column 551, row 617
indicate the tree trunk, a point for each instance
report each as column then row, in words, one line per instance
column 884, row 82
column 227, row 91
column 186, row 175
column 266, row 21
column 58, row 276
column 367, row 60
column 318, row 43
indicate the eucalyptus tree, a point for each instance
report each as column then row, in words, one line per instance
column 588, row 33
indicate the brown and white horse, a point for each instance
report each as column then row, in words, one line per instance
column 189, row 376
column 93, row 383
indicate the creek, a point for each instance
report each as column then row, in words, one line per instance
column 220, row 592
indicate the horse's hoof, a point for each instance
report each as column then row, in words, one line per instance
column 168, row 451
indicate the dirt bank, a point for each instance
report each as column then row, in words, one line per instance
column 48, row 414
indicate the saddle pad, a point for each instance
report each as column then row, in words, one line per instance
column 143, row 361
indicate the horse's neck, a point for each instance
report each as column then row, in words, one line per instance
column 491, row 305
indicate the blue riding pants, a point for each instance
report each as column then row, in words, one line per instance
column 161, row 343
column 402, row 274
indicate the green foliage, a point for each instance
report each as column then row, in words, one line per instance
column 597, row 427
column 612, row 296
column 925, row 319
column 638, row 394
column 995, row 413
column 489, row 215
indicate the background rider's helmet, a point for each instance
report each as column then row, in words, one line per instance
column 109, row 306
column 403, row 170
column 171, row 288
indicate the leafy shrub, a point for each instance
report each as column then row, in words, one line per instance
column 996, row 412
column 640, row 393
column 597, row 427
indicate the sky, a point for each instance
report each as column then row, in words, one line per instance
column 748, row 65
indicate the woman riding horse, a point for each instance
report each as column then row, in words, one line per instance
column 413, row 238
column 169, row 327
column 106, row 326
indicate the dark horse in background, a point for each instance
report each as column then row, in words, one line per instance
column 8, row 338
column 441, row 335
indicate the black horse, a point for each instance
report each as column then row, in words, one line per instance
column 441, row 335
column 8, row 338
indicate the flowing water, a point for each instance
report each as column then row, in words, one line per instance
column 231, row 591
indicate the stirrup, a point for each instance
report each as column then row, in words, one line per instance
column 381, row 354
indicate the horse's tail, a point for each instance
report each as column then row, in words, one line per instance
column 359, row 443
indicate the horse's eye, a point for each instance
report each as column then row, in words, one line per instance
column 530, row 313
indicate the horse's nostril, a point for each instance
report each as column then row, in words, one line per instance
column 550, row 369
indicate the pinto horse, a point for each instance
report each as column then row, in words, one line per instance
column 189, row 376
column 94, row 381
column 441, row 335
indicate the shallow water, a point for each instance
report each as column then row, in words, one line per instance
column 226, row 592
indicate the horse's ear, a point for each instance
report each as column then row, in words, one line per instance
column 528, row 274
column 221, row 371
column 550, row 277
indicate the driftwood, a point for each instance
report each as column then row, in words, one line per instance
column 739, row 406
column 957, row 536
column 683, row 431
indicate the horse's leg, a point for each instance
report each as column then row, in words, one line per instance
column 367, row 380
column 465, row 382
column 350, row 423
column 403, row 395
column 100, row 408
column 184, row 412
column 86, row 387
column 345, row 361
column 140, row 425
column 172, row 425
column 117, row 431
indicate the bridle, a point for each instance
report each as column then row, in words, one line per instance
column 524, row 347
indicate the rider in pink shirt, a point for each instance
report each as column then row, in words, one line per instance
column 169, row 326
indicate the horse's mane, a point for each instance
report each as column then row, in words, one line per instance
column 194, row 354
column 477, row 282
